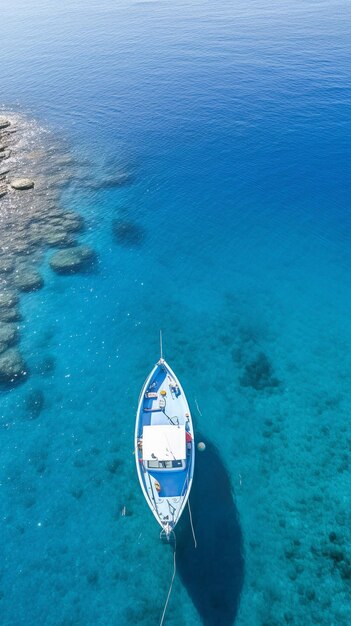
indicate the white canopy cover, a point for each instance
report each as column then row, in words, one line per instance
column 164, row 443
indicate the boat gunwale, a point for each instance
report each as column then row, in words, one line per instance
column 142, row 471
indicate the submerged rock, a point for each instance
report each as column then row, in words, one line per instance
column 4, row 123
column 28, row 280
column 34, row 403
column 9, row 314
column 8, row 335
column 73, row 260
column 72, row 222
column 57, row 238
column 67, row 221
column 8, row 299
column 110, row 180
column 6, row 264
column 22, row 183
column 46, row 366
column 12, row 366
column 259, row 374
column 127, row 233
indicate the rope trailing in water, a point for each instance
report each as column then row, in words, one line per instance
column 173, row 577
column 197, row 406
column 191, row 524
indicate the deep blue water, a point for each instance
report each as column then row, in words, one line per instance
column 233, row 122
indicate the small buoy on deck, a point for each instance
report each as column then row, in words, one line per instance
column 201, row 446
column 163, row 392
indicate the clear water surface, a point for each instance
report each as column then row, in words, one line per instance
column 233, row 122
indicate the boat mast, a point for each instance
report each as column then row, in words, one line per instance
column 161, row 347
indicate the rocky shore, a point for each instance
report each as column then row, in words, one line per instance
column 33, row 170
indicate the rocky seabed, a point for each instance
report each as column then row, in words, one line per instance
column 33, row 170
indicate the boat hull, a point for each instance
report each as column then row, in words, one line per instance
column 164, row 446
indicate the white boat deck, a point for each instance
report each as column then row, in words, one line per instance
column 166, row 465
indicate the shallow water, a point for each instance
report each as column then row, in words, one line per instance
column 231, row 128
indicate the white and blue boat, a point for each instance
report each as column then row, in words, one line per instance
column 164, row 446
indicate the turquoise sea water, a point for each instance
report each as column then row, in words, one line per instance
column 232, row 123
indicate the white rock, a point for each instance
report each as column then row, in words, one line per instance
column 22, row 183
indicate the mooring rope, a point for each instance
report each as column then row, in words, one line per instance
column 197, row 406
column 191, row 524
column 173, row 576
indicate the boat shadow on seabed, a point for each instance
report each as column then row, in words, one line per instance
column 213, row 573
